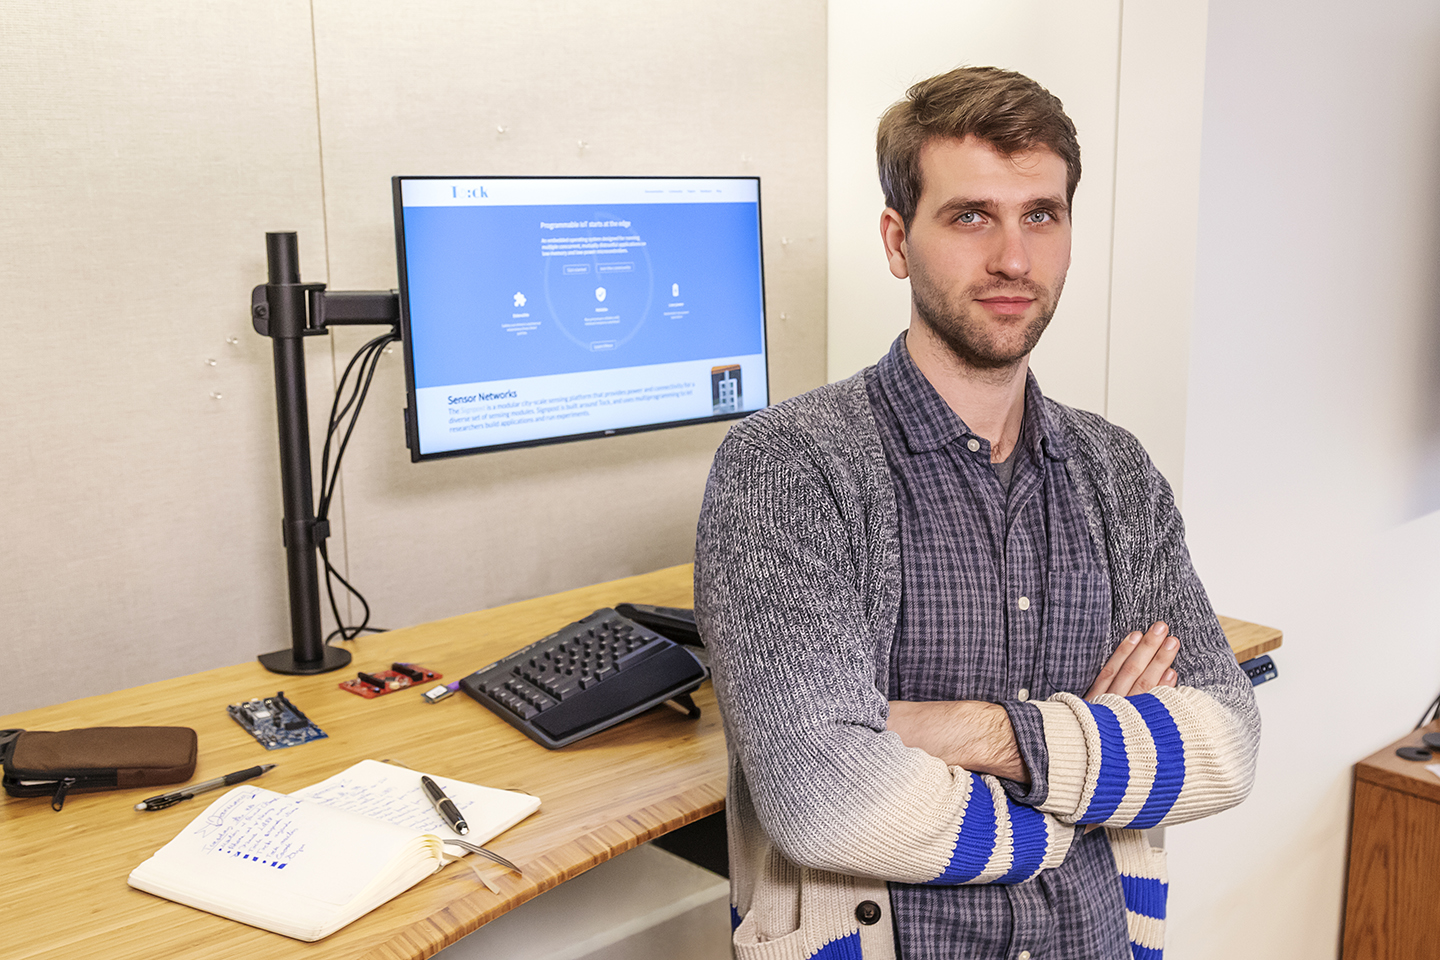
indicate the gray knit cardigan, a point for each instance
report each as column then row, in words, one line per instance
column 797, row 591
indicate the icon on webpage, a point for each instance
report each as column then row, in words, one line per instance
column 725, row 394
column 519, row 299
column 600, row 294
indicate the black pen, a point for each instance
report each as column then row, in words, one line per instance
column 185, row 793
column 444, row 806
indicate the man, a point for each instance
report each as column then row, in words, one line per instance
column 953, row 624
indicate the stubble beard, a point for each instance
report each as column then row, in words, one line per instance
column 971, row 337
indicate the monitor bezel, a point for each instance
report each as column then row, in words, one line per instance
column 412, row 432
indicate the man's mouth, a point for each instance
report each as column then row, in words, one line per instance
column 1007, row 305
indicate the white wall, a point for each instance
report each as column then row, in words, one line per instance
column 147, row 150
column 1314, row 401
column 148, row 147
column 1130, row 75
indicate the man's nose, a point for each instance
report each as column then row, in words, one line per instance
column 1010, row 257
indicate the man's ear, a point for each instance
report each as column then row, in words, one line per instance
column 892, row 232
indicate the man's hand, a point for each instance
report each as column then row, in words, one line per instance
column 964, row 733
column 1141, row 663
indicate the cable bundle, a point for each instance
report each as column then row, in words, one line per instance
column 363, row 364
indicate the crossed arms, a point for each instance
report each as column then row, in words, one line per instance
column 978, row 736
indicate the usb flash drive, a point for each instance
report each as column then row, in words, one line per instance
column 436, row 694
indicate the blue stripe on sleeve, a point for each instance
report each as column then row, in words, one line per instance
column 1138, row 952
column 734, row 918
column 1114, row 766
column 841, row 948
column 1145, row 895
column 976, row 842
column 1169, row 760
column 1028, row 832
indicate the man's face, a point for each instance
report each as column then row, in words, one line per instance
column 988, row 249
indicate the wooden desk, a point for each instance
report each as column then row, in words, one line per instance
column 65, row 893
column 1249, row 640
column 1391, row 911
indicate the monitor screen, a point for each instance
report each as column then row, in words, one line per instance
column 541, row 309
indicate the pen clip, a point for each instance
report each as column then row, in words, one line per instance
column 163, row 800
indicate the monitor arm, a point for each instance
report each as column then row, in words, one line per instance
column 286, row 311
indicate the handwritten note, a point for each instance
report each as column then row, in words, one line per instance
column 262, row 839
column 252, row 827
column 394, row 797
column 384, row 791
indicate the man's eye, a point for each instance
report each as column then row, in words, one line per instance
column 1039, row 216
column 969, row 216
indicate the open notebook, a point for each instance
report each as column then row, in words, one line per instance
column 306, row 864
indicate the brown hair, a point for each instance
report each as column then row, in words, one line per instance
column 1009, row 111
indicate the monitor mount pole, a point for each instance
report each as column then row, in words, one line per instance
column 287, row 311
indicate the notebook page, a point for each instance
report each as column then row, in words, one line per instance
column 384, row 791
column 253, row 844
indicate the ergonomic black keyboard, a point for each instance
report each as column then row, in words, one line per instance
column 585, row 677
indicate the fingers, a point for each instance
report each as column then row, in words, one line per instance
column 1142, row 662
column 1148, row 662
column 1159, row 665
column 1106, row 677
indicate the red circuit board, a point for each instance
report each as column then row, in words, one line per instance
column 390, row 681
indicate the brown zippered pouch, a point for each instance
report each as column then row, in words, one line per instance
column 41, row 763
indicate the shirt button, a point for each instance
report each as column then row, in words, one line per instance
column 973, row 444
column 1024, row 694
column 1023, row 955
column 1023, row 603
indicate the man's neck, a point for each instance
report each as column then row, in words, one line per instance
column 990, row 401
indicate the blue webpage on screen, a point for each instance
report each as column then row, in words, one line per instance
column 540, row 308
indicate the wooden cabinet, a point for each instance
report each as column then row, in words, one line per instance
column 1392, row 892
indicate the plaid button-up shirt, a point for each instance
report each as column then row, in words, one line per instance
column 1005, row 600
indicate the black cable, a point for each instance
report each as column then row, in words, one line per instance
column 368, row 360
column 341, row 631
column 367, row 356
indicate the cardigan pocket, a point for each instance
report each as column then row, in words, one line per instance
column 846, row 917
column 798, row 944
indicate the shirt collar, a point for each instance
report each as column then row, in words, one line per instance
column 927, row 422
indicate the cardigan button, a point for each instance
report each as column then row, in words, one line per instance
column 868, row 912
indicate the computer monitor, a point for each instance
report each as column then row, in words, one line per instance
column 542, row 309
